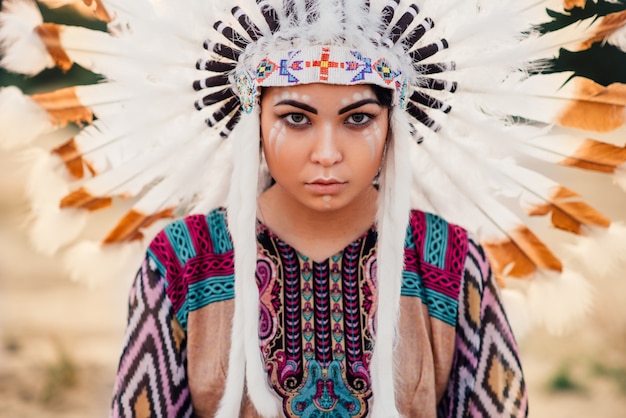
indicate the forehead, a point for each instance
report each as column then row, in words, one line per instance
column 317, row 91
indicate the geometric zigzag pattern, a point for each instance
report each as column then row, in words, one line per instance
column 486, row 378
column 152, row 377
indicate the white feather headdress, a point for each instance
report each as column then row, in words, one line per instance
column 489, row 97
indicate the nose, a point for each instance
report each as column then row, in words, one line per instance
column 326, row 151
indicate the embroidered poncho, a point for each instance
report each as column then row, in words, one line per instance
column 456, row 354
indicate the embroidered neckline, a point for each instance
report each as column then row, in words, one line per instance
column 264, row 229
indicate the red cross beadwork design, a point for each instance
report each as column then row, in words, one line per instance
column 324, row 64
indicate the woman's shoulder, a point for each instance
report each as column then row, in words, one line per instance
column 434, row 237
column 192, row 236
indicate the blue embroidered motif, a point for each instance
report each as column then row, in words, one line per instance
column 264, row 69
column 384, row 70
column 364, row 64
column 288, row 65
column 325, row 396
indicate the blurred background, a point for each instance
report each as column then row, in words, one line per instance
column 60, row 340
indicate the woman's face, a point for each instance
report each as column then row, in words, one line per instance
column 323, row 143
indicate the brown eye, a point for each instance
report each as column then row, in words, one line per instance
column 359, row 118
column 296, row 119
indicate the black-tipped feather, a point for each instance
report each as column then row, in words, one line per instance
column 388, row 12
column 416, row 34
column 403, row 23
column 214, row 81
column 269, row 14
column 230, row 34
column 434, row 84
column 428, row 51
column 215, row 66
column 247, row 24
column 223, row 50
column 422, row 117
column 213, row 98
column 230, row 125
column 435, row 68
column 429, row 101
column 223, row 112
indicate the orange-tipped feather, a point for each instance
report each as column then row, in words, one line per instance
column 81, row 198
column 597, row 156
column 521, row 255
column 128, row 228
column 71, row 156
column 50, row 34
column 569, row 214
column 64, row 106
column 98, row 10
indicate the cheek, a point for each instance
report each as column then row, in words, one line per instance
column 276, row 137
column 375, row 137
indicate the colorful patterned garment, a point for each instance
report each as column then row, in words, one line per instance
column 456, row 355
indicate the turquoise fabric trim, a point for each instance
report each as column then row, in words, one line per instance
column 158, row 264
column 412, row 285
column 207, row 291
column 408, row 239
column 439, row 305
column 442, row 307
column 216, row 219
column 182, row 314
column 436, row 241
column 180, row 239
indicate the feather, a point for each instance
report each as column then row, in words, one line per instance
column 93, row 265
column 22, row 49
column 86, row 7
column 64, row 106
column 559, row 302
column 542, row 196
column 22, row 120
column 601, row 252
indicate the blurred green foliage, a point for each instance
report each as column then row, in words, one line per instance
column 54, row 78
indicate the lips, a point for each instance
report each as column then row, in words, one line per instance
column 325, row 186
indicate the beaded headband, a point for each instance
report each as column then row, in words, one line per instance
column 318, row 64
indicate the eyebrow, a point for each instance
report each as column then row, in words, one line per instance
column 299, row 105
column 358, row 104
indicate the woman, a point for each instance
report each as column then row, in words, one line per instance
column 309, row 285
column 318, row 287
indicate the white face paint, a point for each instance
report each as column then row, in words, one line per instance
column 277, row 136
column 373, row 136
